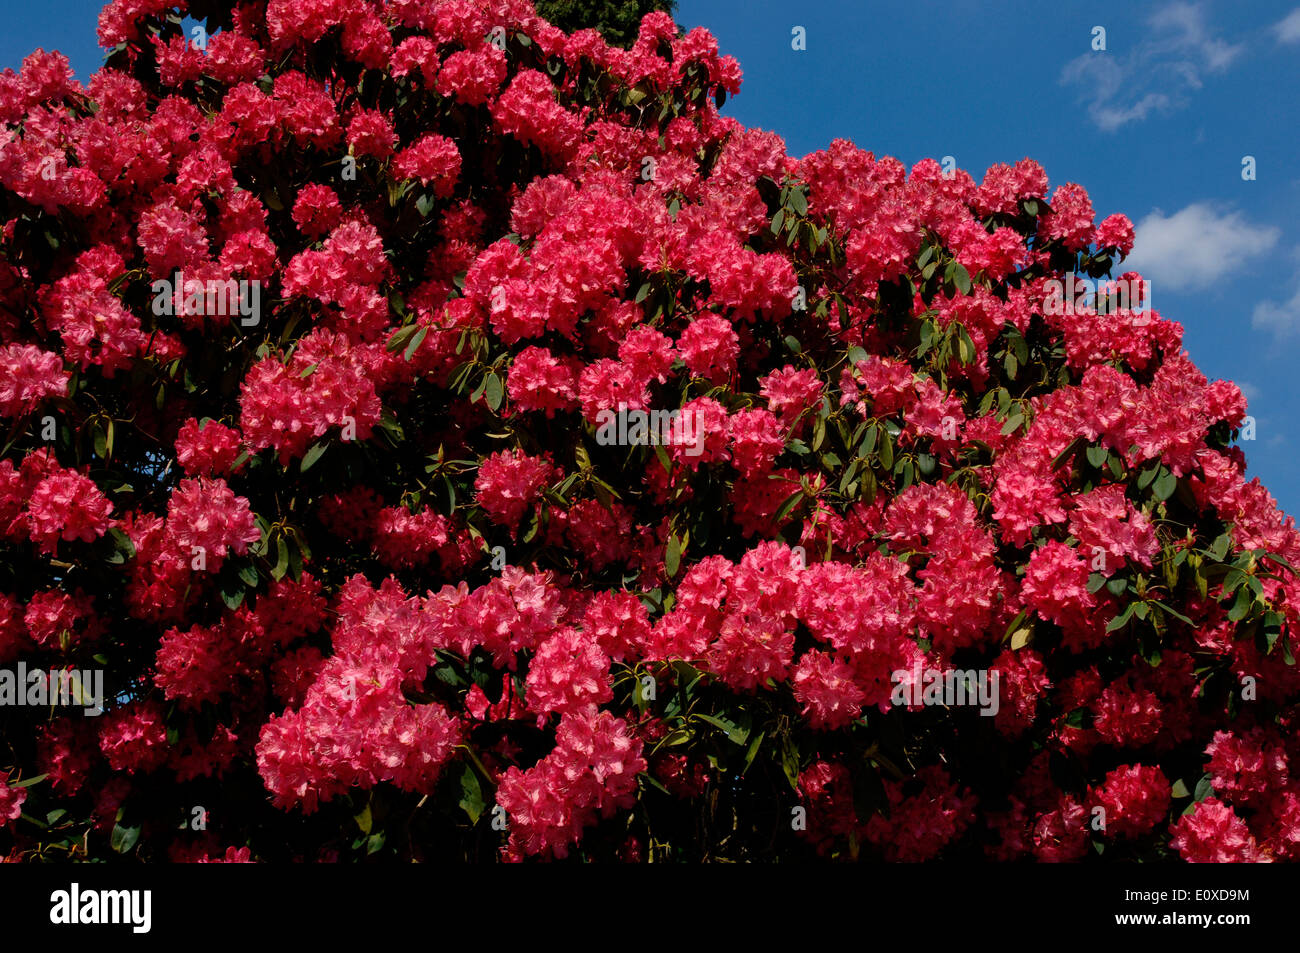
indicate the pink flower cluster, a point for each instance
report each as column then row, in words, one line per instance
column 375, row 542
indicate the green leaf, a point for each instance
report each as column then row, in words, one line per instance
column 752, row 753
column 1015, row 623
column 28, row 782
column 416, row 341
column 1165, row 485
column 281, row 559
column 1071, row 448
column 1219, row 548
column 1168, row 611
column 778, row 221
column 1180, row 789
column 959, row 276
column 233, row 592
column 1233, row 580
column 365, row 820
column 676, row 738
column 965, row 346
column 735, row 733
column 314, row 453
column 472, row 800
column 926, row 338
column 664, row 460
column 1280, row 560
column 124, row 838
column 848, row 476
column 886, row 452
column 1272, row 630
column 790, row 762
column 1204, row 788
column 869, row 441
column 399, row 338
column 1241, row 608
column 650, row 779
column 1097, row 456
column 493, row 391
column 123, row 548
column 787, row 506
column 672, row 555
column 1121, row 620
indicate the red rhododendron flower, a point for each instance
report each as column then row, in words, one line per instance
column 576, row 464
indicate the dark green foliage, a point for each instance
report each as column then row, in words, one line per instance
column 617, row 20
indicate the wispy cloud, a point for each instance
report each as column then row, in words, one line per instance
column 1250, row 391
column 1157, row 74
column 1196, row 246
column 1280, row 317
column 1288, row 28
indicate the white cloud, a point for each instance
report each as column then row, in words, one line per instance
column 1196, row 246
column 1112, row 117
column 1288, row 28
column 1181, row 32
column 1282, row 319
column 1248, row 390
column 1154, row 75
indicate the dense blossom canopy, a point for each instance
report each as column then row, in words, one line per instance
column 362, row 576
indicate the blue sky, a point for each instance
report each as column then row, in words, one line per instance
column 1155, row 126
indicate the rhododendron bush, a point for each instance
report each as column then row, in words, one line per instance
column 339, row 531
